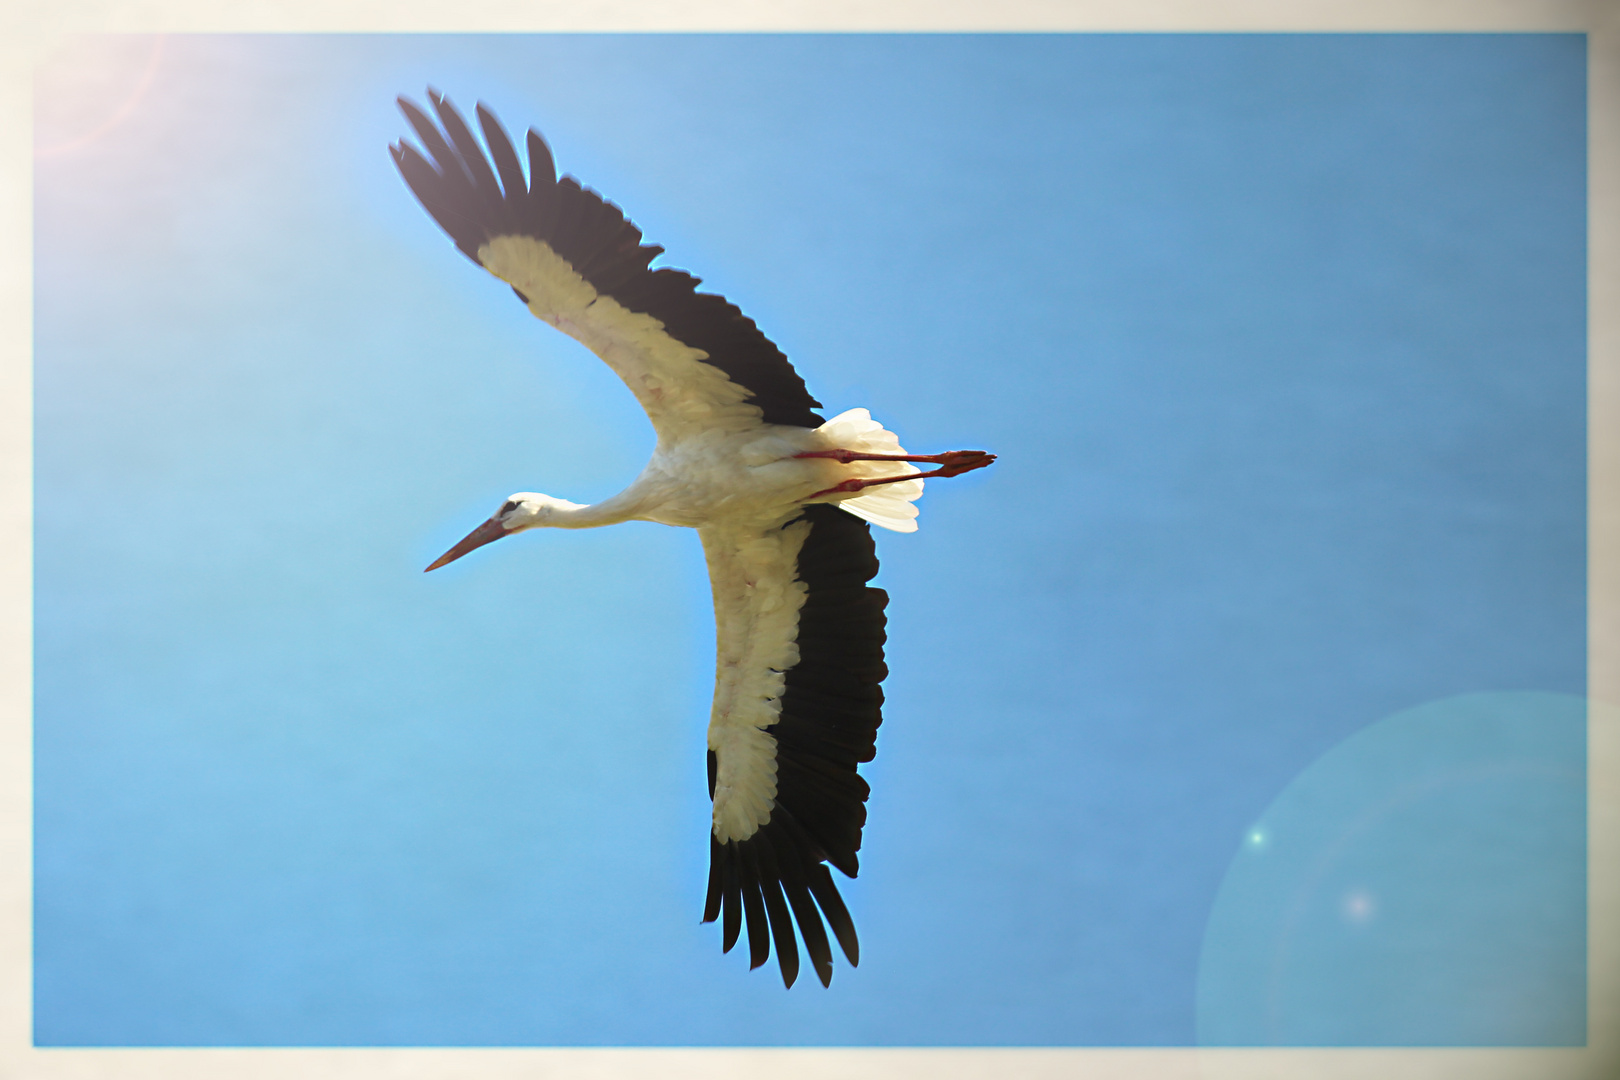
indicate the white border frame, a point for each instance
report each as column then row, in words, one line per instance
column 28, row 35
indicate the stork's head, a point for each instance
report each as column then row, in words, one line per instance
column 525, row 510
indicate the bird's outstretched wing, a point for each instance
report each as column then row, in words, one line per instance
column 796, row 709
column 692, row 359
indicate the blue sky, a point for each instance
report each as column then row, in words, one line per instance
column 1280, row 340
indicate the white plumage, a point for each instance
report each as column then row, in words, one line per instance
column 769, row 486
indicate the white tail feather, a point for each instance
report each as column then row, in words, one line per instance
column 888, row 505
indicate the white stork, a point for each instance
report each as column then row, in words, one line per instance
column 776, row 494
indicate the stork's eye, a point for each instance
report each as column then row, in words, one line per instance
column 506, row 508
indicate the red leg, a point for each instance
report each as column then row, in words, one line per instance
column 956, row 463
column 951, row 458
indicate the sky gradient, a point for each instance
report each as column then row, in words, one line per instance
column 1280, row 340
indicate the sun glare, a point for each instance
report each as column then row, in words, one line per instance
column 90, row 86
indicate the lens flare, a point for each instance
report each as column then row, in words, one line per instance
column 91, row 85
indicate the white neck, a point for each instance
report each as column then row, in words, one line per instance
column 607, row 512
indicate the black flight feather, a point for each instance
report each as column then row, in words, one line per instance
column 759, row 935
column 513, row 186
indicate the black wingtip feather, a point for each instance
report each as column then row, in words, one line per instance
column 731, row 922
column 711, row 903
column 432, row 140
column 513, row 185
column 837, row 915
column 770, row 884
column 542, row 166
column 759, row 939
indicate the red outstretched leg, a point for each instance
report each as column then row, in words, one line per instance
column 966, row 459
column 952, row 463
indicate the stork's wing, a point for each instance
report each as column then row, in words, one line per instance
column 797, row 705
column 692, row 359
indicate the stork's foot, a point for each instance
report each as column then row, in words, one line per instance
column 951, row 463
column 957, row 462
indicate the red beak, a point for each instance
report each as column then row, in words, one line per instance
column 488, row 531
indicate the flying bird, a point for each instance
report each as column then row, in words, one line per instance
column 781, row 500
